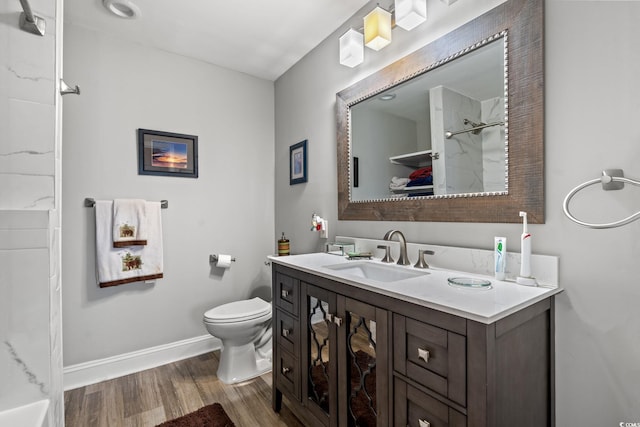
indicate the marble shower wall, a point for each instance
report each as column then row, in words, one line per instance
column 468, row 163
column 27, row 109
column 30, row 318
column 493, row 138
column 24, row 308
column 459, row 168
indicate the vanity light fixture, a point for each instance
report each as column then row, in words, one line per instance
column 122, row 8
column 410, row 13
column 351, row 48
column 406, row 14
column 377, row 28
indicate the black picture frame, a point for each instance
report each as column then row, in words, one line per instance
column 298, row 163
column 167, row 154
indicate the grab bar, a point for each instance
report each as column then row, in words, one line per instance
column 477, row 127
column 612, row 179
column 89, row 203
column 29, row 22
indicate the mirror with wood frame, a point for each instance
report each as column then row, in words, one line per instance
column 512, row 35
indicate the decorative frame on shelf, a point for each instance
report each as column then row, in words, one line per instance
column 298, row 163
column 167, row 154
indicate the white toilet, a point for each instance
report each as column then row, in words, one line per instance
column 244, row 327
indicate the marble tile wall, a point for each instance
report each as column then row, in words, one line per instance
column 27, row 109
column 30, row 318
column 493, row 151
column 459, row 167
column 24, row 308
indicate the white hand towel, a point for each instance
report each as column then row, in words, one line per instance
column 398, row 183
column 129, row 222
column 116, row 266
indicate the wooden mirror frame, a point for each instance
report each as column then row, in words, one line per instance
column 524, row 22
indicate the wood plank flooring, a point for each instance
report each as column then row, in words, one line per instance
column 148, row 398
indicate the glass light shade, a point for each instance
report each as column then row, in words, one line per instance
column 377, row 28
column 351, row 48
column 410, row 13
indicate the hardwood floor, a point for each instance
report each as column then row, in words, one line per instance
column 151, row 397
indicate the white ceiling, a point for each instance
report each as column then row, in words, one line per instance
column 263, row 38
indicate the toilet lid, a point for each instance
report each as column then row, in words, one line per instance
column 239, row 310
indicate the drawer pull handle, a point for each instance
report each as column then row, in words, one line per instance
column 424, row 355
column 328, row 317
column 286, row 332
column 285, row 370
column 424, row 423
column 284, row 293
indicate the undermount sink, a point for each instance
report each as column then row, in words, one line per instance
column 375, row 271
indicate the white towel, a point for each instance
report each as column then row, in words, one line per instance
column 398, row 183
column 129, row 222
column 116, row 266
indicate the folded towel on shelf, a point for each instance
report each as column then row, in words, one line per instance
column 421, row 173
column 117, row 266
column 398, row 183
column 129, row 222
column 425, row 180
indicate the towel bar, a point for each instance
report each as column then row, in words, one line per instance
column 89, row 203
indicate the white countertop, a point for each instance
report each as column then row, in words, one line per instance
column 431, row 290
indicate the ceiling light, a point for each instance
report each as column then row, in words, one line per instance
column 388, row 97
column 122, row 8
column 410, row 13
column 351, row 48
column 377, row 28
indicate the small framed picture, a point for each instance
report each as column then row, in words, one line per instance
column 167, row 154
column 298, row 163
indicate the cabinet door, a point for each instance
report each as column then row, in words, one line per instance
column 362, row 365
column 319, row 386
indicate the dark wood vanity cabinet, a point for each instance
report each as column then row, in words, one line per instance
column 345, row 356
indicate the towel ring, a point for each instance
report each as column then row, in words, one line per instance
column 611, row 179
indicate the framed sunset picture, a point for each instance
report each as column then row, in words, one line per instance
column 167, row 154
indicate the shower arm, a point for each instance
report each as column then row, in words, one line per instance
column 29, row 22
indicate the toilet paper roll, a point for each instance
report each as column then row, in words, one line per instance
column 224, row 261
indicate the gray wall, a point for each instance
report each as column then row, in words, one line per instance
column 592, row 62
column 228, row 209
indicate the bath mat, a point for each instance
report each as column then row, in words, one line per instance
column 207, row 416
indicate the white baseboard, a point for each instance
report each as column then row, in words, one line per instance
column 96, row 371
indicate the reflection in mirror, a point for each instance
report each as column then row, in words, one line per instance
column 441, row 133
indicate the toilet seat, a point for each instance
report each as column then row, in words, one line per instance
column 238, row 311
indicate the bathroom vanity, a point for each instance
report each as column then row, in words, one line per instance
column 357, row 345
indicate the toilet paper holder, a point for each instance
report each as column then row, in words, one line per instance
column 214, row 259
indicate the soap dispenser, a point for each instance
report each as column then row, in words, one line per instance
column 283, row 246
column 525, row 277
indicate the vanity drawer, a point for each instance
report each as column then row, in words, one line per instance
column 287, row 375
column 431, row 356
column 286, row 292
column 414, row 408
column 287, row 332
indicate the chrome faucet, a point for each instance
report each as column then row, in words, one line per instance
column 403, row 259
